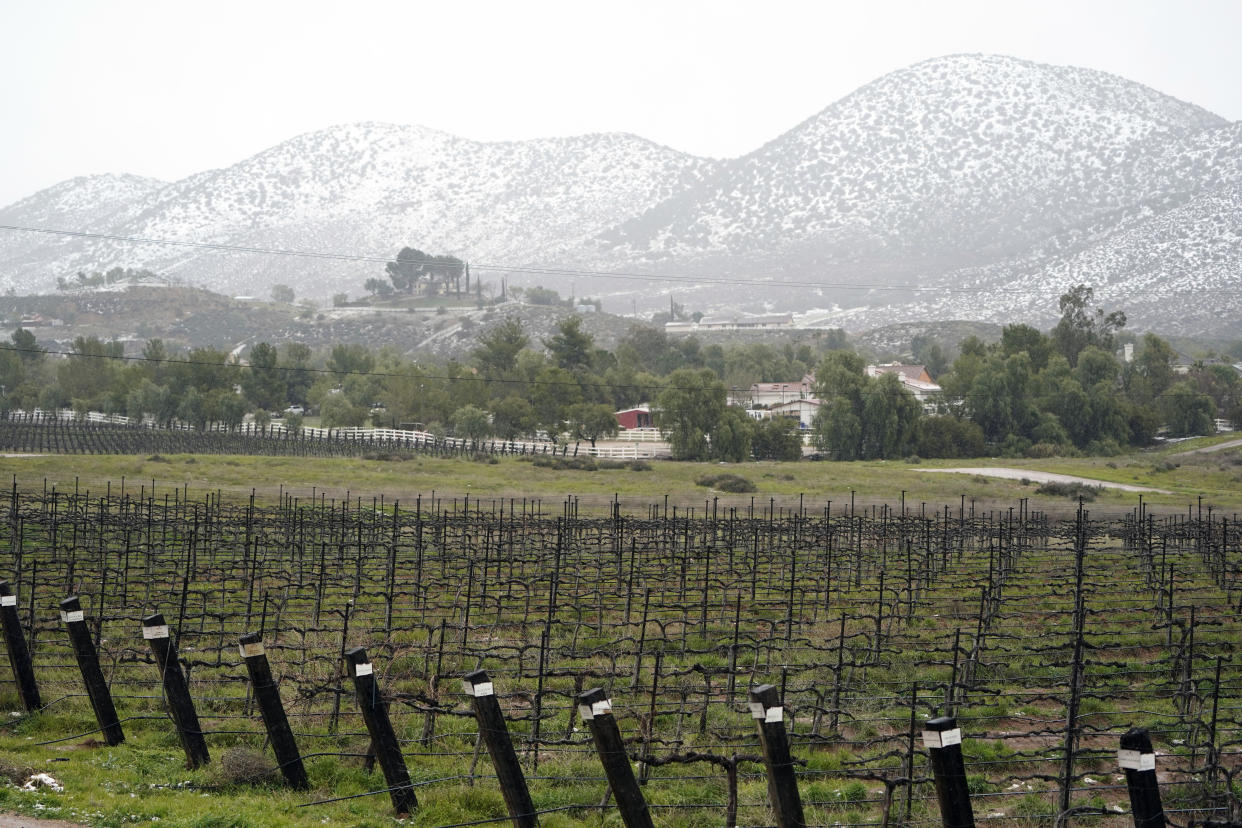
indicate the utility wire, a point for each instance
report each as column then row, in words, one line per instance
column 688, row 280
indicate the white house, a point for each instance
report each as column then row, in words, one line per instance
column 914, row 378
column 774, row 393
column 803, row 411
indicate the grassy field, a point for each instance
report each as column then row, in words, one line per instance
column 771, row 599
column 1217, row 477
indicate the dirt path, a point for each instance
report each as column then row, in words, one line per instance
column 1047, row 477
column 1207, row 450
column 16, row 821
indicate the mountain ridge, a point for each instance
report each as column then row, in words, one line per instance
column 966, row 169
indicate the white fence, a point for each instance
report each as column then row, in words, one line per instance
column 641, row 435
column 374, row 435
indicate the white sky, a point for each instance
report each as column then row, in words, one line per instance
column 167, row 89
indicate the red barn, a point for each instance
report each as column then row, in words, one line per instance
column 639, row 417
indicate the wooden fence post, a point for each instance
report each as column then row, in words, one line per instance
column 176, row 691
column 267, row 694
column 769, row 716
column 478, row 686
column 943, row 740
column 596, row 712
column 92, row 676
column 1138, row 760
column 383, row 740
column 19, row 653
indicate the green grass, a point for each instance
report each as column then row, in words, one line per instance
column 1212, row 476
column 144, row 779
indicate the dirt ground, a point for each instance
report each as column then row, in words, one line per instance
column 1046, row 477
column 15, row 821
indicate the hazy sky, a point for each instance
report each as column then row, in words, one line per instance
column 166, row 89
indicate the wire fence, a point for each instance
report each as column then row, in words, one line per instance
column 1046, row 638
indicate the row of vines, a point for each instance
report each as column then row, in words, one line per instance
column 1046, row 638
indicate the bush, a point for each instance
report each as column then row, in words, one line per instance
column 640, row 465
column 388, row 456
column 855, row 791
column 944, row 436
column 1042, row 450
column 731, row 483
column 1108, row 447
column 1073, row 490
column 246, row 766
column 547, row 461
column 1015, row 445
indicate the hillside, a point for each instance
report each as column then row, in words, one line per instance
column 364, row 189
column 949, row 162
column 968, row 187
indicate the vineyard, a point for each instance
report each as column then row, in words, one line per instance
column 37, row 432
column 1047, row 638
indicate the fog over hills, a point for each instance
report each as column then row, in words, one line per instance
column 991, row 183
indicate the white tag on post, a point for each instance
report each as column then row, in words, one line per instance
column 756, row 710
column 599, row 708
column 364, row 669
column 71, row 617
column 251, row 650
column 8, row 600
column 775, row 714
column 159, row 631
column 484, row 689
column 584, row 710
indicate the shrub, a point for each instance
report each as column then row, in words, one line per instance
column 1040, row 450
column 1072, row 490
column 584, row 463
column 731, row 483
column 854, row 792
column 388, row 456
column 1108, row 447
column 14, row 772
column 640, row 465
column 245, row 766
column 1015, row 445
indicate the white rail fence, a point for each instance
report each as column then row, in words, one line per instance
column 367, row 435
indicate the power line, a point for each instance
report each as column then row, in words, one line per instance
column 500, row 267
column 688, row 280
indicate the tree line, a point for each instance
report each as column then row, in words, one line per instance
column 1032, row 393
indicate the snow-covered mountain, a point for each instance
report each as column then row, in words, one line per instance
column 366, row 189
column 991, row 184
column 87, row 203
column 952, row 162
